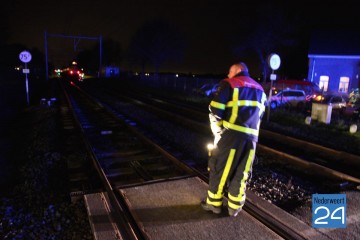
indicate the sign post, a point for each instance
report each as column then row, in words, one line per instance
column 274, row 63
column 25, row 57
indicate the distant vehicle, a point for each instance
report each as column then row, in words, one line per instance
column 206, row 89
column 311, row 89
column 289, row 97
column 73, row 73
column 337, row 102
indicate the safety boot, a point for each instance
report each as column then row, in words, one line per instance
column 208, row 207
column 234, row 212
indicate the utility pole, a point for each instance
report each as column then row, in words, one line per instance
column 46, row 57
column 100, row 59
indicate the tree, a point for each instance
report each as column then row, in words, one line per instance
column 156, row 42
column 272, row 29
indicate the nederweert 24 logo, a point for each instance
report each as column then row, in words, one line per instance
column 329, row 210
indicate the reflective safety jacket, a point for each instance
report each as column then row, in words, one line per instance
column 239, row 104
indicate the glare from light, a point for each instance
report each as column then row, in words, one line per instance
column 210, row 148
column 353, row 128
column 318, row 97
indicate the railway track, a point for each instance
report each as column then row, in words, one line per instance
column 311, row 157
column 150, row 194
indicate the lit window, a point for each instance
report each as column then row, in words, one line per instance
column 344, row 84
column 324, row 83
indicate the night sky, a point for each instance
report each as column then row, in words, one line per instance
column 211, row 28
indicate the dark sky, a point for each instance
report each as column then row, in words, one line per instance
column 209, row 27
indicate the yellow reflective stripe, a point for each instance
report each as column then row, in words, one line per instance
column 235, row 94
column 235, row 206
column 248, row 103
column 220, row 193
column 246, row 172
column 239, row 198
column 219, row 123
column 235, row 108
column 214, row 203
column 215, row 195
column 241, row 128
column 239, row 201
column 225, row 174
column 217, row 105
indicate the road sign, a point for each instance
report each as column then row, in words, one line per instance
column 25, row 56
column 272, row 77
column 274, row 61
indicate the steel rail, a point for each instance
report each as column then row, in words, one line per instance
column 264, row 217
column 127, row 229
column 352, row 159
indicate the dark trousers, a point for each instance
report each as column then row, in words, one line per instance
column 230, row 168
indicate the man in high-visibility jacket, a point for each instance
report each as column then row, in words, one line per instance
column 235, row 114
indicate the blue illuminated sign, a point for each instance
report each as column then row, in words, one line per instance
column 329, row 210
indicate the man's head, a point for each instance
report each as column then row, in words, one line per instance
column 237, row 68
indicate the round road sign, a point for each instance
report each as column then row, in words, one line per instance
column 274, row 61
column 25, row 56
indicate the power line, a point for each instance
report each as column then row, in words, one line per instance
column 76, row 41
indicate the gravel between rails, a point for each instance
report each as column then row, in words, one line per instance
column 34, row 195
column 39, row 204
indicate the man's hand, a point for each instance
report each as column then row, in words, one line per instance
column 216, row 128
column 217, row 139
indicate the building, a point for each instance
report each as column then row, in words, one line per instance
column 334, row 60
column 111, row 71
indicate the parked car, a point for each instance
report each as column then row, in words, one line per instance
column 337, row 102
column 310, row 88
column 206, row 89
column 289, row 97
